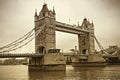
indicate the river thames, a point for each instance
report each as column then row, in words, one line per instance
column 20, row 72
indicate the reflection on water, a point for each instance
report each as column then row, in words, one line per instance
column 59, row 75
column 20, row 72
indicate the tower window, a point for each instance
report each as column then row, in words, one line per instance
column 43, row 14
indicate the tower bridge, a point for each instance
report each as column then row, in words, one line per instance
column 45, row 39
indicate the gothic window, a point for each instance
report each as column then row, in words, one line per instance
column 51, row 21
column 84, row 40
column 50, row 29
column 43, row 14
column 84, row 51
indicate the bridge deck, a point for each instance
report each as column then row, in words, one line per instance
column 9, row 55
column 19, row 55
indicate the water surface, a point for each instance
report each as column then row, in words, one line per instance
column 20, row 72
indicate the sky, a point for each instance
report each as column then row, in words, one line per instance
column 17, row 18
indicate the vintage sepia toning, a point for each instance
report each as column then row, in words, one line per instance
column 59, row 40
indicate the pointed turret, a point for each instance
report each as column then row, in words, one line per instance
column 35, row 16
column 84, row 23
column 85, row 19
column 45, row 11
column 53, row 10
column 92, row 23
column 78, row 24
column 35, row 13
column 44, row 8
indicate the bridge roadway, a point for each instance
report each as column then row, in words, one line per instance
column 63, row 27
column 10, row 55
column 19, row 55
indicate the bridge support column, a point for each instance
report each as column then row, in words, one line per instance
column 86, row 40
column 46, row 39
column 83, row 43
column 91, row 39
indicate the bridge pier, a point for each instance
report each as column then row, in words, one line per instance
column 52, row 61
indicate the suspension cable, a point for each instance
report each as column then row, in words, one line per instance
column 18, row 40
column 17, row 43
column 100, row 46
column 28, row 35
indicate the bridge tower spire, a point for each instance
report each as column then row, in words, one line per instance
column 46, row 39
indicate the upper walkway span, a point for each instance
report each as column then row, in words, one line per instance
column 63, row 27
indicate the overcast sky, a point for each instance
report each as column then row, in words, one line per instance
column 17, row 18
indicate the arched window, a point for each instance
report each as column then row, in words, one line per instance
column 42, row 49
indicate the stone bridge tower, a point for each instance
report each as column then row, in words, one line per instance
column 46, row 39
column 86, row 40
